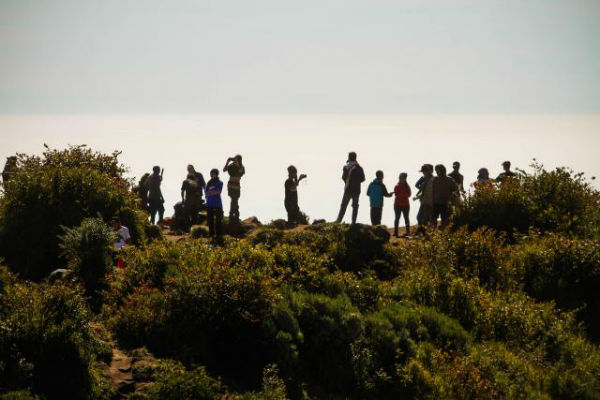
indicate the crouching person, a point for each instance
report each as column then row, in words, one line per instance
column 214, row 206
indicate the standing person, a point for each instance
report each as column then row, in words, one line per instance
column 191, row 199
column 352, row 175
column 9, row 169
column 199, row 180
column 402, row 203
column 214, row 205
column 291, row 194
column 425, row 196
column 457, row 176
column 483, row 179
column 376, row 192
column 507, row 175
column 155, row 197
column 236, row 170
column 445, row 190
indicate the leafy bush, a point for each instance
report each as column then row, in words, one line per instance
column 46, row 342
column 550, row 201
column 59, row 189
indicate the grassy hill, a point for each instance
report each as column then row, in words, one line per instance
column 493, row 309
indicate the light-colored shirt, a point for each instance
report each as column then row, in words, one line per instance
column 124, row 236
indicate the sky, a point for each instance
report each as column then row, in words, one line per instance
column 280, row 56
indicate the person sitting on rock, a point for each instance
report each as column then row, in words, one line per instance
column 191, row 199
column 214, row 205
column 352, row 175
column 376, row 192
column 291, row 195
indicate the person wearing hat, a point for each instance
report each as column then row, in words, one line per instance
column 507, row 174
column 352, row 175
column 425, row 196
column 457, row 176
column 155, row 197
column 9, row 168
column 291, row 194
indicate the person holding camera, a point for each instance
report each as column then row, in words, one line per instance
column 236, row 170
column 291, row 194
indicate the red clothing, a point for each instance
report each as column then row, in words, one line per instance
column 402, row 192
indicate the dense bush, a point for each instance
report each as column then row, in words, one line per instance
column 549, row 201
column 46, row 342
column 61, row 188
column 88, row 249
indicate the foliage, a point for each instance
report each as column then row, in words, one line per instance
column 46, row 342
column 61, row 188
column 549, row 201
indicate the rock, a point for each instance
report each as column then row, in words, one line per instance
column 252, row 221
column 279, row 224
column 59, row 275
column 319, row 221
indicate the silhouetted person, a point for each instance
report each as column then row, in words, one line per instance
column 191, row 198
column 141, row 189
column 402, row 203
column 445, row 191
column 425, row 196
column 10, row 168
column 376, row 192
column 214, row 205
column 291, row 194
column 483, row 179
column 155, row 197
column 352, row 175
column 457, row 176
column 507, row 174
column 236, row 170
column 199, row 180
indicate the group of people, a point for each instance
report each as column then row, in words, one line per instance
column 437, row 193
column 193, row 190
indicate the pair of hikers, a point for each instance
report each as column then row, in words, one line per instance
column 436, row 195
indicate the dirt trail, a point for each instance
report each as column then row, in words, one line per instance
column 120, row 372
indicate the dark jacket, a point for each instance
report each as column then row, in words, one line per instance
column 353, row 175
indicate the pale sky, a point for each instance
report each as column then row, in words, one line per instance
column 280, row 56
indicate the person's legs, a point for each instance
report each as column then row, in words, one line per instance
column 397, row 212
column 161, row 213
column 445, row 213
column 355, row 197
column 219, row 222
column 153, row 209
column 234, row 209
column 376, row 215
column 343, row 207
column 406, row 210
column 210, row 216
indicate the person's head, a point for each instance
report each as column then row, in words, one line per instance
column 116, row 222
column 456, row 166
column 156, row 169
column 238, row 159
column 214, row 173
column 506, row 165
column 402, row 177
column 440, row 170
column 483, row 173
column 191, row 169
column 292, row 171
column 379, row 174
column 352, row 156
column 427, row 170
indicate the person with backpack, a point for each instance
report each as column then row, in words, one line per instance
column 214, row 205
column 402, row 203
column 236, row 170
column 352, row 175
column 155, row 197
column 376, row 192
column 291, row 194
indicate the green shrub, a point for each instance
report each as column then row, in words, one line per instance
column 550, row 201
column 46, row 342
column 566, row 271
column 59, row 189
